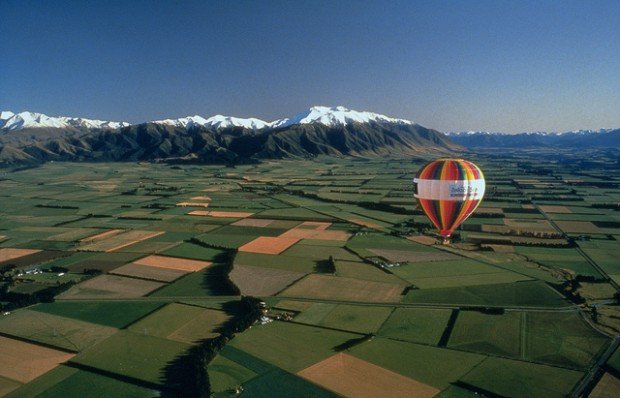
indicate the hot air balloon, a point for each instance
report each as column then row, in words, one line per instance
column 448, row 191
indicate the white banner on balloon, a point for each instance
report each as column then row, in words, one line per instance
column 457, row 190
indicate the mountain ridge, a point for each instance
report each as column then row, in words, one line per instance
column 329, row 116
column 320, row 131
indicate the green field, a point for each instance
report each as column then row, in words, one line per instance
column 498, row 335
column 66, row 333
column 437, row 367
column 166, row 320
column 528, row 294
column 117, row 314
column 350, row 269
column 507, row 377
column 190, row 250
column 43, row 383
column 562, row 339
column 82, row 383
column 290, row 346
column 417, row 325
column 397, row 298
column 225, row 374
column 131, row 354
column 360, row 319
column 7, row 385
column 279, row 383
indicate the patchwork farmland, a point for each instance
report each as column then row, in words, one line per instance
column 146, row 278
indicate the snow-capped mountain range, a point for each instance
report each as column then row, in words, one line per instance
column 329, row 116
column 335, row 116
column 215, row 122
column 17, row 121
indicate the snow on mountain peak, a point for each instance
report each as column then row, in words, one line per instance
column 336, row 116
column 187, row 122
column 17, row 121
column 5, row 115
column 216, row 122
column 221, row 121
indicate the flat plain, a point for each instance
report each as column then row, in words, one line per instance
column 115, row 272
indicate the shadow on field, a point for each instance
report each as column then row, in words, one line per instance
column 216, row 280
column 186, row 375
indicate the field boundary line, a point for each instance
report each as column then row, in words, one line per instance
column 38, row 343
column 523, row 337
column 144, row 316
column 116, row 376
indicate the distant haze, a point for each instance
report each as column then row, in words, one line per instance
column 454, row 66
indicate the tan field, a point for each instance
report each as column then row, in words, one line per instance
column 71, row 234
column 220, row 214
column 101, row 235
column 315, row 230
column 413, row 257
column 174, row 263
column 148, row 272
column 318, row 234
column 585, row 227
column 218, row 188
column 261, row 281
column 118, row 241
column 608, row 387
column 201, row 198
column 110, row 286
column 253, row 222
column 268, row 245
column 353, row 377
column 23, row 361
column 198, row 213
column 340, row 288
column 528, row 225
column 8, row 253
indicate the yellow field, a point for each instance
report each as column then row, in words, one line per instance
column 353, row 377
column 23, row 361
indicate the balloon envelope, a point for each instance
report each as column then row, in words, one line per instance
column 448, row 191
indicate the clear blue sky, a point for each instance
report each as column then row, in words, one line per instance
column 450, row 65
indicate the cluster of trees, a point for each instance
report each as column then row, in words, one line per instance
column 506, row 241
column 225, row 260
column 187, row 376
